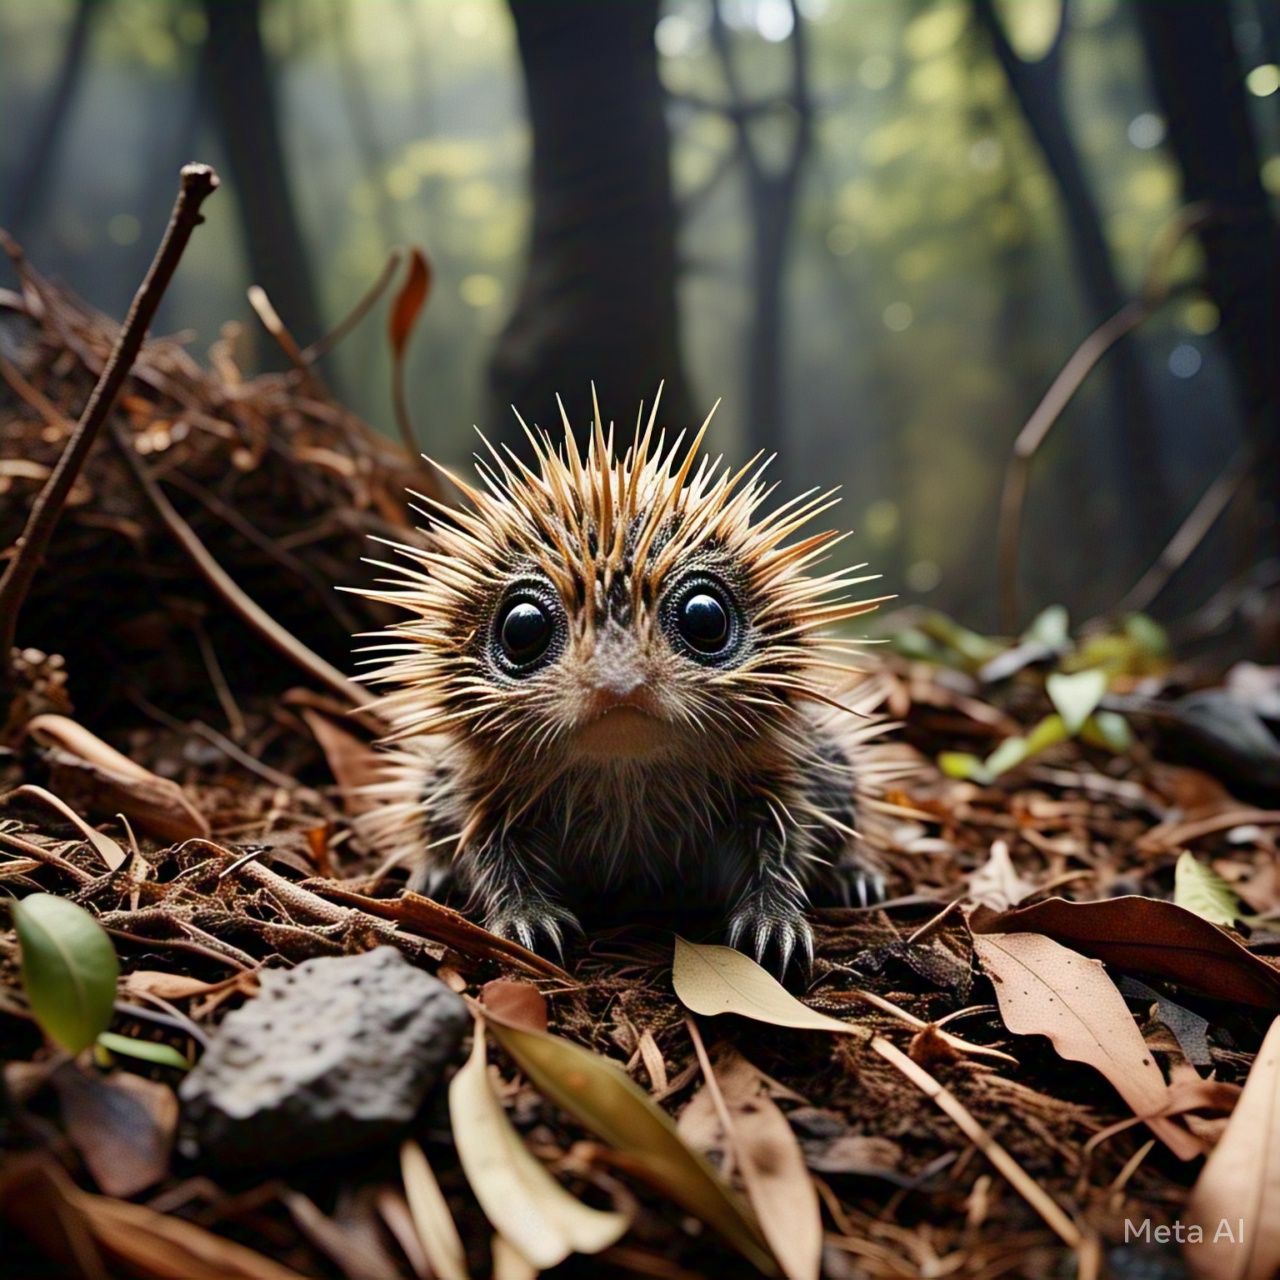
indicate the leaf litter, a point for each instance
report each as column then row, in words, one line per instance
column 925, row 1092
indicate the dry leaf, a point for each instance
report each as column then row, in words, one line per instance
column 178, row 986
column 103, row 780
column 996, row 884
column 773, row 1169
column 139, row 1240
column 409, row 301
column 122, row 1125
column 603, row 1098
column 1146, row 935
column 432, row 1221
column 429, row 919
column 1239, row 1187
column 519, row 1004
column 353, row 763
column 107, row 849
column 1045, row 989
column 525, row 1204
column 713, row 980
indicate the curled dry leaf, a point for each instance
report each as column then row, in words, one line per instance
column 600, row 1096
column 107, row 849
column 353, row 763
column 525, row 1204
column 518, row 1004
column 433, row 1223
column 138, row 1241
column 122, row 1125
column 997, row 884
column 105, row 781
column 1236, row 1200
column 773, row 1168
column 1146, row 935
column 428, row 919
column 1046, row 989
column 713, row 980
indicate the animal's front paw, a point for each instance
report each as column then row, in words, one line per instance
column 769, row 926
column 535, row 923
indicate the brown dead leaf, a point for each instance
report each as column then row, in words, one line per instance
column 353, row 763
column 177, row 986
column 996, row 884
column 773, row 1169
column 1146, row 935
column 429, row 919
column 139, row 1241
column 433, row 1224
column 122, row 1125
column 88, row 773
column 1045, row 989
column 1238, row 1191
column 520, row 1004
column 409, row 301
column 107, row 849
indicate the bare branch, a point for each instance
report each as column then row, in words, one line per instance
column 197, row 183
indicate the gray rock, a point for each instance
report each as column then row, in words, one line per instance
column 332, row 1055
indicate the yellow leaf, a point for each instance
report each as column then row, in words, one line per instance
column 531, row 1210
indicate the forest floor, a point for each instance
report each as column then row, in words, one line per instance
column 1013, row 1066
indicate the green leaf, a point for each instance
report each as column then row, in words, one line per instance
column 1147, row 635
column 69, row 969
column 1051, row 628
column 1076, row 696
column 1108, row 730
column 1008, row 755
column 1201, row 889
column 962, row 765
column 1048, row 733
column 162, row 1055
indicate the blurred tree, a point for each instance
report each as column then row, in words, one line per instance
column 598, row 298
column 248, row 126
column 38, row 163
column 1197, row 78
column 772, row 190
column 1036, row 86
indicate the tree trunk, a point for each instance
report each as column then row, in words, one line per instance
column 1196, row 75
column 598, row 299
column 34, row 172
column 249, row 130
column 1036, row 88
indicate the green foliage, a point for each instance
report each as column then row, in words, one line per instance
column 1201, row 889
column 69, row 969
column 162, row 1055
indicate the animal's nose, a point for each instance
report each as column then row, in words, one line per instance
column 616, row 670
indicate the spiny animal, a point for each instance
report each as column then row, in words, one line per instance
column 616, row 678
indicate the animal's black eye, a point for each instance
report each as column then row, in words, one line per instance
column 525, row 632
column 703, row 621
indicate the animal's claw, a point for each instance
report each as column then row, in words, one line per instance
column 537, row 924
column 771, row 928
column 858, row 886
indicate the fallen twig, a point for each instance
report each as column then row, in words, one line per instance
column 197, row 183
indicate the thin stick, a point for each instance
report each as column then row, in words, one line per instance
column 1156, row 291
column 1026, row 1186
column 1191, row 532
column 197, row 183
column 717, row 1098
column 218, row 578
column 322, row 346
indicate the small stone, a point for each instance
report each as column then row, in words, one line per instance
column 335, row 1054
